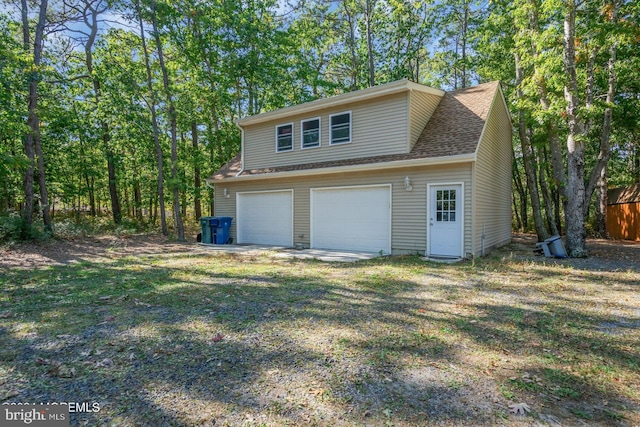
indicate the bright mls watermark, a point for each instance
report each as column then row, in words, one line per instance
column 34, row 415
column 50, row 414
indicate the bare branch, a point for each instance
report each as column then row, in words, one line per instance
column 67, row 80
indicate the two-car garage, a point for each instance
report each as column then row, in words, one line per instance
column 343, row 218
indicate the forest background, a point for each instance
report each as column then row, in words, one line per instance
column 112, row 113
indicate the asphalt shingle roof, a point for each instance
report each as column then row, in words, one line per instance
column 630, row 194
column 454, row 129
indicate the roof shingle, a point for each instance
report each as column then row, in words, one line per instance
column 630, row 194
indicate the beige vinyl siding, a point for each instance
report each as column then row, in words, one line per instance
column 421, row 107
column 492, row 195
column 409, row 216
column 370, row 136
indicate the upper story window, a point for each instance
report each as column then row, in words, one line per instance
column 310, row 133
column 340, row 128
column 284, row 137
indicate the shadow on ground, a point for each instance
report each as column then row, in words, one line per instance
column 197, row 339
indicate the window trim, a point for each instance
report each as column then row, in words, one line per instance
column 278, row 150
column 331, row 142
column 302, row 122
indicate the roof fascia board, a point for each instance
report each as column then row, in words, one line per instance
column 426, row 89
column 356, row 96
column 504, row 102
column 429, row 161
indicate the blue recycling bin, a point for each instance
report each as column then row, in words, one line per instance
column 220, row 226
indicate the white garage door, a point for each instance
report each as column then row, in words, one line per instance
column 265, row 218
column 351, row 218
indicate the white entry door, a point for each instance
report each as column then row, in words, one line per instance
column 352, row 218
column 445, row 221
column 265, row 218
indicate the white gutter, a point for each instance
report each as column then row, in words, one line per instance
column 432, row 161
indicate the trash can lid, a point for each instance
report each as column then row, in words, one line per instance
column 552, row 239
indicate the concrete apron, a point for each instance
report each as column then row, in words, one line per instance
column 290, row 253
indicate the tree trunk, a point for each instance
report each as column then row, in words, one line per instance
column 528, row 157
column 515, row 212
column 27, row 213
column 522, row 195
column 196, row 169
column 546, row 196
column 576, row 233
column 173, row 126
column 44, row 196
column 137, row 196
column 463, row 35
column 113, row 187
column 32, row 145
column 352, row 47
column 368, row 12
column 557, row 164
column 127, row 205
column 90, row 191
column 598, row 177
column 601, row 205
column 156, row 131
column 91, row 20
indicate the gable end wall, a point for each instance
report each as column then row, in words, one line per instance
column 492, row 180
column 421, row 108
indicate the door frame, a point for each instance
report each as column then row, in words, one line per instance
column 284, row 190
column 350, row 187
column 462, row 216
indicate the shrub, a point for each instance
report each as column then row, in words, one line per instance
column 14, row 229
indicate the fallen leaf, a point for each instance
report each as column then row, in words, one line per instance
column 104, row 363
column 218, row 338
column 519, row 408
column 40, row 361
column 61, row 371
column 8, row 395
column 552, row 420
column 317, row 392
column 66, row 372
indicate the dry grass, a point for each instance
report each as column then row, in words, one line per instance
column 195, row 338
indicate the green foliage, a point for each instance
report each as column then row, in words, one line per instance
column 235, row 58
column 14, row 229
column 70, row 227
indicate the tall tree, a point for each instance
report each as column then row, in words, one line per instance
column 91, row 9
column 154, row 120
column 173, row 124
column 32, row 142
